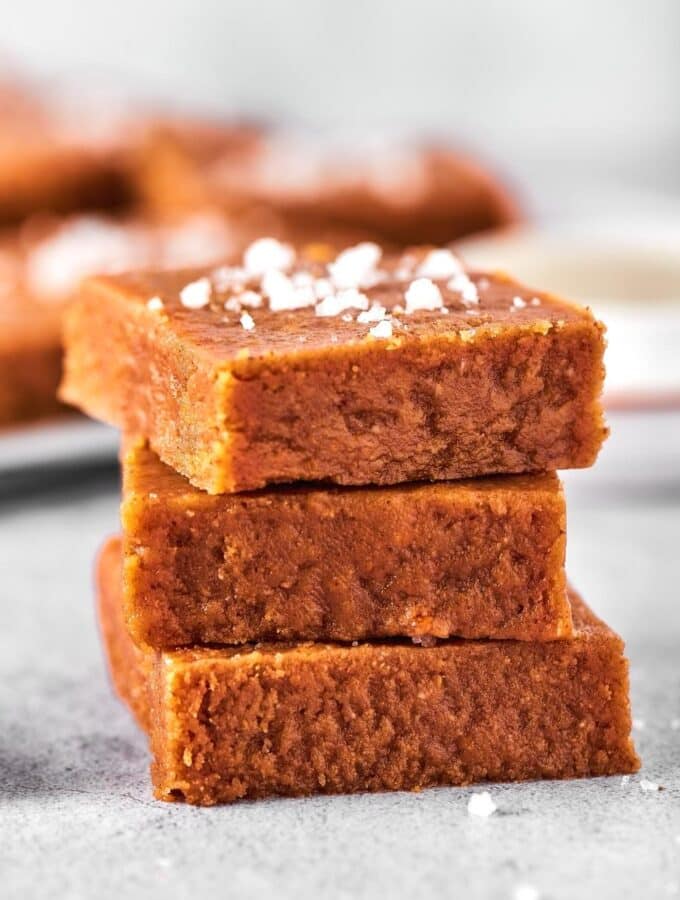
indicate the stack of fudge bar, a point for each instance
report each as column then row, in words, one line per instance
column 342, row 559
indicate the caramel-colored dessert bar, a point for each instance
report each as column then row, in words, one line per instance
column 480, row 558
column 364, row 369
column 59, row 155
column 41, row 265
column 398, row 193
column 297, row 719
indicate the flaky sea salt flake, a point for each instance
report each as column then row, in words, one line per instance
column 356, row 266
column 267, row 255
column 196, row 294
column 481, row 804
column 382, row 330
column 440, row 263
column 376, row 313
column 247, row 321
column 422, row 293
column 154, row 304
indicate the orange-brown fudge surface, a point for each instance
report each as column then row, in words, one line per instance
column 479, row 558
column 399, row 192
column 41, row 265
column 363, row 369
column 296, row 719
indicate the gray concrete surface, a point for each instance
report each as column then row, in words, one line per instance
column 77, row 819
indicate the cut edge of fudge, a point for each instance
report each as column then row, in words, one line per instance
column 436, row 378
column 276, row 719
column 476, row 559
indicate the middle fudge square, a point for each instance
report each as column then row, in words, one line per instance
column 364, row 368
column 482, row 558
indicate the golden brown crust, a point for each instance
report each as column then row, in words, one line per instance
column 303, row 397
column 481, row 558
column 327, row 718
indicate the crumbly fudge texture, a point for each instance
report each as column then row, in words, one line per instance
column 479, row 558
column 417, row 372
column 396, row 193
column 296, row 719
column 41, row 264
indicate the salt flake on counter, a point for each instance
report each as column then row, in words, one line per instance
column 647, row 785
column 422, row 294
column 481, row 804
column 196, row 294
column 267, row 255
column 526, row 892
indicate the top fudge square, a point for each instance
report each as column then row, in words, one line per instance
column 357, row 368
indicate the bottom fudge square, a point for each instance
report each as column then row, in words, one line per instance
column 300, row 719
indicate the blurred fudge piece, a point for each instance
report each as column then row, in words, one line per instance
column 395, row 192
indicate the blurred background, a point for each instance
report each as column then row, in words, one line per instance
column 576, row 105
column 570, row 91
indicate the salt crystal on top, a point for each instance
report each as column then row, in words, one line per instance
column 226, row 278
column 481, row 804
column 323, row 287
column 247, row 321
column 375, row 314
column 439, row 264
column 382, row 330
column 196, row 294
column 154, row 303
column 266, row 255
column 335, row 304
column 283, row 294
column 465, row 287
column 422, row 294
column 251, row 299
column 518, row 303
column 356, row 266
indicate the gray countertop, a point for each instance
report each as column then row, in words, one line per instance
column 76, row 814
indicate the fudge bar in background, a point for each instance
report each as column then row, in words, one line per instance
column 62, row 153
column 297, row 719
column 41, row 265
column 480, row 558
column 364, row 369
column 395, row 192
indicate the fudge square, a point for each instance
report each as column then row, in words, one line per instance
column 478, row 558
column 400, row 192
column 297, row 719
column 358, row 369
